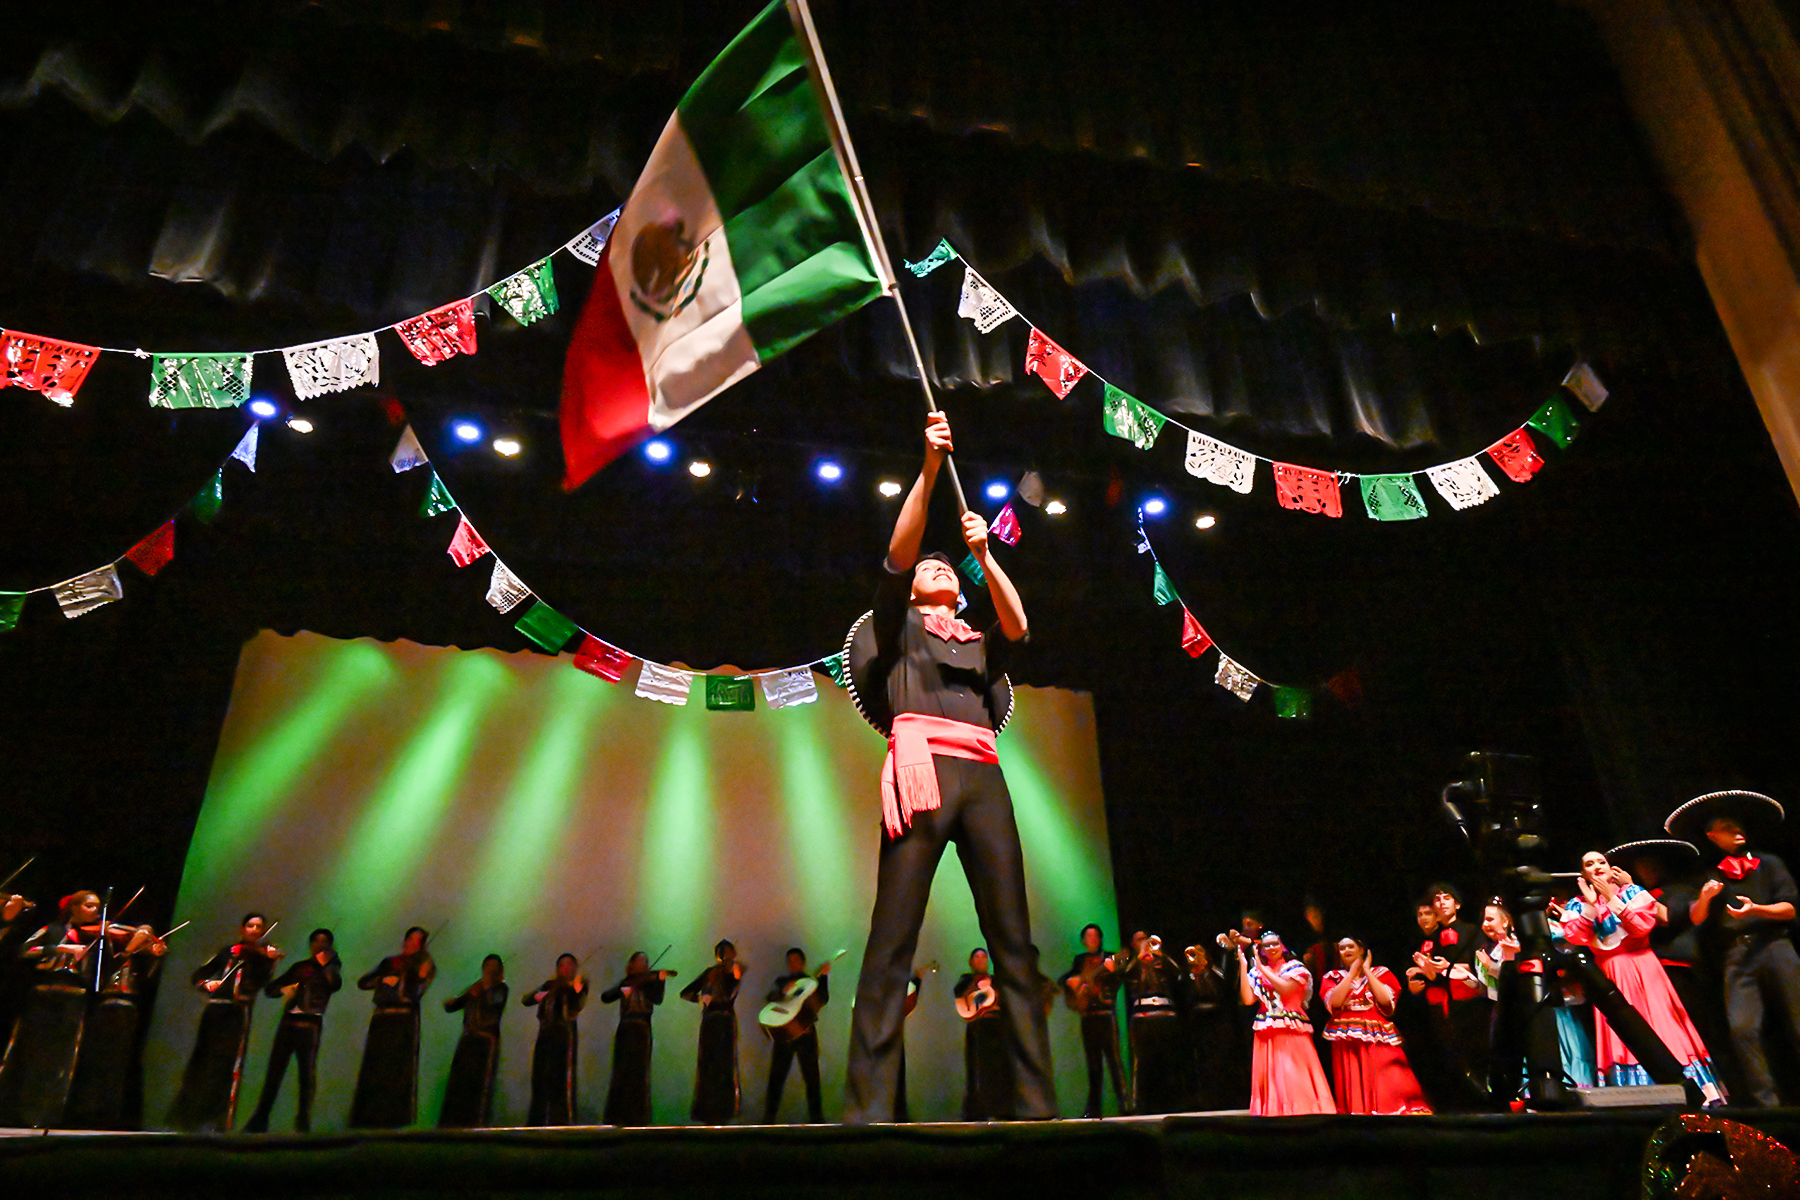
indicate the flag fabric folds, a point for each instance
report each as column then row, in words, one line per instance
column 836, row 668
column 84, row 593
column 467, row 544
column 547, row 627
column 1586, row 385
column 338, row 365
column 1161, row 590
column 1463, row 483
column 200, row 380
column 973, row 570
column 407, row 452
column 48, row 365
column 12, row 605
column 1515, row 455
column 154, row 552
column 1234, row 678
column 1059, row 369
column 437, row 500
column 983, row 305
column 940, row 254
column 1125, row 416
column 442, row 333
column 1193, row 638
column 730, row 693
column 739, row 241
column 505, row 590
column 669, row 685
column 1555, row 421
column 246, row 447
column 597, row 658
column 1006, row 525
column 1307, row 490
column 1392, row 498
column 1215, row 462
column 784, row 689
column 530, row 295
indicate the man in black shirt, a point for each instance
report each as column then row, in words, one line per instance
column 1744, row 911
column 800, row 1043
column 307, row 987
column 936, row 687
column 1091, row 987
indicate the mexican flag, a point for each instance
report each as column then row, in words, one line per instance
column 739, row 241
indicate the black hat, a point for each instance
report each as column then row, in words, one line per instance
column 1691, row 819
column 1672, row 851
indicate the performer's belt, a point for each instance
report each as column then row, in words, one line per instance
column 908, row 778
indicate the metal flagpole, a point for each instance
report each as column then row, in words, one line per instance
column 801, row 16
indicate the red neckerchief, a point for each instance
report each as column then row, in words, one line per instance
column 1448, row 937
column 1736, row 866
column 949, row 628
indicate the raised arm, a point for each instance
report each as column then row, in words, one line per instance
column 909, row 526
column 1007, row 605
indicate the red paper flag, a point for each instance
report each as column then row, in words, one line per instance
column 45, row 365
column 442, row 333
column 1059, row 369
column 597, row 658
column 1193, row 638
column 1516, row 456
column 467, row 545
column 1307, row 490
column 154, row 552
column 1006, row 526
column 1346, row 685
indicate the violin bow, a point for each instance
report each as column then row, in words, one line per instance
column 100, row 947
column 18, row 872
column 129, row 902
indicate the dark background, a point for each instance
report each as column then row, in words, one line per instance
column 1371, row 239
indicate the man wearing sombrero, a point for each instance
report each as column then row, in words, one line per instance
column 1744, row 911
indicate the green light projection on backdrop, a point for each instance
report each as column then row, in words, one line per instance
column 818, row 841
column 675, row 866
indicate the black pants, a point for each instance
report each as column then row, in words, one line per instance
column 805, row 1049
column 1753, row 972
column 207, row 1101
column 297, row 1037
column 553, row 1060
column 628, row 1095
column 387, row 1085
column 1100, row 1042
column 977, row 815
column 1156, row 1063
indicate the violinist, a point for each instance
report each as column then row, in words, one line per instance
column 1091, row 988
column 803, row 1049
column 715, row 990
column 1150, row 983
column 387, row 1086
column 985, row 1089
column 44, row 1053
column 637, row 995
column 469, row 1097
column 230, row 981
column 305, row 989
column 103, row 1075
column 558, row 1001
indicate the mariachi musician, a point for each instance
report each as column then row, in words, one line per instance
column 986, row 1091
column 304, row 989
column 387, row 1085
column 46, row 1054
column 797, row 1040
column 558, row 1001
column 1150, row 984
column 637, row 995
column 715, row 990
column 1090, row 986
column 469, row 1096
column 230, row 981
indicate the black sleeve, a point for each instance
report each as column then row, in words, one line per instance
column 655, row 991
column 962, row 986
column 823, row 995
column 334, row 976
column 692, row 990
column 368, row 982
column 209, row 968
column 291, row 975
column 530, row 999
column 612, row 995
column 1781, row 882
column 455, row 1003
column 891, row 595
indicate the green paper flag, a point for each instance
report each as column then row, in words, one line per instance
column 211, row 499
column 1124, row 415
column 199, row 380
column 1293, row 702
column 11, row 605
column 529, row 295
column 730, row 693
column 1392, row 498
column 834, row 667
column 931, row 262
column 1555, row 421
column 437, row 500
column 973, row 570
column 547, row 627
column 1164, row 591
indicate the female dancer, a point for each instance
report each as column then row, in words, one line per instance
column 1615, row 917
column 1369, row 1071
column 1285, row 1076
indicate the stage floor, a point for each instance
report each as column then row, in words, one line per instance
column 1591, row 1155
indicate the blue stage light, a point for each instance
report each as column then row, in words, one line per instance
column 263, row 408
column 830, row 472
column 658, row 451
column 1155, row 506
column 997, row 490
column 466, row 432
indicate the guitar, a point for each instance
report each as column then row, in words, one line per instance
column 794, row 1014
column 978, row 1001
column 1084, row 989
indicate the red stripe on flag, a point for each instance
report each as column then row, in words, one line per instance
column 605, row 399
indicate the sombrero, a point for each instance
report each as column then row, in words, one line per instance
column 1690, row 820
column 869, row 693
column 1671, row 850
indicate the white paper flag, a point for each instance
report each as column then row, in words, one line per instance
column 84, row 593
column 1234, row 678
column 407, row 452
column 334, row 366
column 1586, row 385
column 505, row 592
column 246, row 448
column 1464, row 484
column 1218, row 463
column 784, row 688
column 588, row 244
column 1031, row 488
column 667, row 685
column 981, row 304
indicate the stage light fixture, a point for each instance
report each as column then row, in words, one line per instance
column 1205, row 521
column 830, row 472
column 263, row 408
column 1055, row 508
column 997, row 490
column 299, row 424
column 657, row 450
column 699, row 468
column 889, row 488
column 508, row 447
column 466, row 431
column 1155, row 506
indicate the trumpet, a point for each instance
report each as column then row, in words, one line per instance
column 1154, row 944
column 1193, row 954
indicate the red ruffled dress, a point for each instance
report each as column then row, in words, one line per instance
column 1369, row 1071
column 1286, row 1079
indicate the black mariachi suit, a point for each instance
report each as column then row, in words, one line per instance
column 923, row 673
column 804, row 1048
column 553, row 1058
column 1212, row 1038
column 1099, row 1027
column 716, row 1091
column 469, row 1096
column 985, row 1090
column 207, row 1102
column 1156, row 1066
column 387, row 1085
column 628, row 1093
column 297, row 1037
column 103, row 1076
column 44, row 1052
column 1758, row 962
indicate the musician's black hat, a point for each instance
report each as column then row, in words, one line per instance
column 1757, row 811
